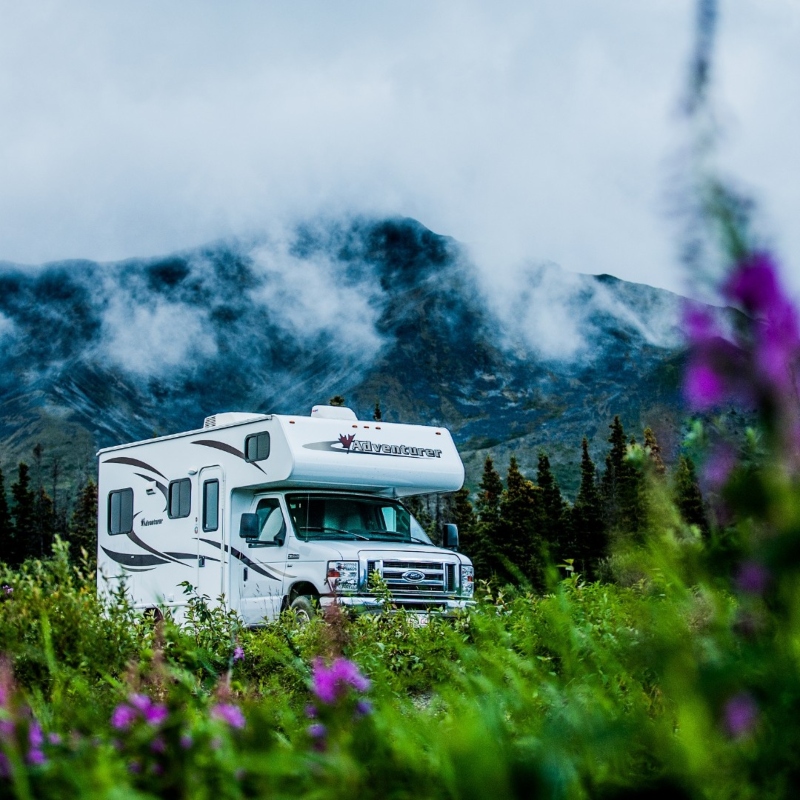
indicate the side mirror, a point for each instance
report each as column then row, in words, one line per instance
column 249, row 527
column 450, row 536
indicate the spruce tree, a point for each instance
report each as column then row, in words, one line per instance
column 688, row 497
column 491, row 489
column 651, row 447
column 44, row 524
column 83, row 524
column 24, row 515
column 588, row 541
column 614, row 477
column 485, row 546
column 519, row 542
column 7, row 538
column 377, row 414
column 554, row 509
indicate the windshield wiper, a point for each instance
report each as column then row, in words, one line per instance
column 325, row 529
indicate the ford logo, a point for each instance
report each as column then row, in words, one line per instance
column 413, row 575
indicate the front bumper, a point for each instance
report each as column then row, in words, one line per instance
column 440, row 606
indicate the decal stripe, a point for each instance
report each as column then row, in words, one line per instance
column 227, row 448
column 133, row 462
column 136, row 540
column 134, row 560
column 190, row 556
column 243, row 558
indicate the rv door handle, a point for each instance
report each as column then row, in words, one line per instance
column 245, row 573
column 201, row 561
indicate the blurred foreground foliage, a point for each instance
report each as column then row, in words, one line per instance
column 678, row 677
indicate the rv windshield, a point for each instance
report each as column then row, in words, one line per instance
column 332, row 516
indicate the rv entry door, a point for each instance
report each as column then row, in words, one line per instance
column 211, row 534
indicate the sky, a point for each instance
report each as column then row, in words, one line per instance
column 535, row 131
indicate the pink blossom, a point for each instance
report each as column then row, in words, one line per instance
column 752, row 578
column 741, row 713
column 123, row 716
column 238, row 653
column 703, row 386
column 229, row 713
column 330, row 683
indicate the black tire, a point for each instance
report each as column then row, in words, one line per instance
column 304, row 607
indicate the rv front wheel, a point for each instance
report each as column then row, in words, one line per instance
column 303, row 607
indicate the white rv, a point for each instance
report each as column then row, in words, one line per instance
column 270, row 512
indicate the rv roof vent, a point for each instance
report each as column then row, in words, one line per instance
column 228, row 418
column 333, row 412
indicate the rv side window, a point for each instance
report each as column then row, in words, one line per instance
column 211, row 505
column 256, row 447
column 120, row 511
column 180, row 498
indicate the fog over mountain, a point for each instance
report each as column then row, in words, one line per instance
column 374, row 309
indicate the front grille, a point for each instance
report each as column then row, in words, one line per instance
column 433, row 577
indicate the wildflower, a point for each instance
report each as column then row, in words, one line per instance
column 752, row 578
column 158, row 745
column 228, row 713
column 718, row 466
column 363, row 707
column 186, row 741
column 317, row 730
column 138, row 705
column 123, row 717
column 330, row 683
column 741, row 713
column 238, row 653
column 7, row 590
column 311, row 711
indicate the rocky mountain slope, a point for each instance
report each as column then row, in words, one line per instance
column 94, row 354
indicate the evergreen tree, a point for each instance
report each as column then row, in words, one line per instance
column 24, row 515
column 8, row 541
column 83, row 524
column 44, row 524
column 519, row 542
column 336, row 400
column 588, row 540
column 614, row 476
column 651, row 447
column 377, row 414
column 633, row 495
column 484, row 549
column 688, row 497
column 491, row 489
column 554, row 509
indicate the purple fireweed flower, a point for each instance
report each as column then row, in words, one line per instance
column 363, row 707
column 158, row 745
column 238, row 653
column 741, row 713
column 311, row 711
column 7, row 590
column 752, row 578
column 718, row 466
column 703, row 385
column 35, row 735
column 186, row 741
column 330, row 683
column 53, row 738
column 228, row 713
column 317, row 730
column 123, row 717
column 35, row 756
column 135, row 767
column 156, row 714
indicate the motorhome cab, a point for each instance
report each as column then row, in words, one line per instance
column 268, row 512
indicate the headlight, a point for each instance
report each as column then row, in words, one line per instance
column 343, row 576
column 467, row 581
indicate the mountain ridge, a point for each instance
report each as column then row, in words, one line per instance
column 373, row 309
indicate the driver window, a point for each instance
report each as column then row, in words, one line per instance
column 271, row 522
